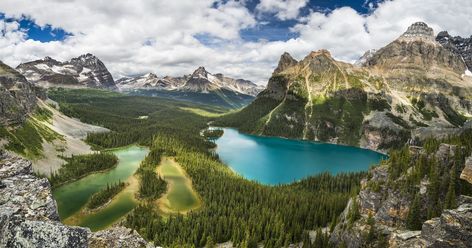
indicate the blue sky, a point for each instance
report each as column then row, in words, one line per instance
column 239, row 38
column 269, row 27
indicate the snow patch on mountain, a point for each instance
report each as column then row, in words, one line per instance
column 84, row 71
column 200, row 81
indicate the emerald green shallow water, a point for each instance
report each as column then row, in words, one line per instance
column 272, row 160
column 73, row 196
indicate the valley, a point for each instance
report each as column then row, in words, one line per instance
column 330, row 154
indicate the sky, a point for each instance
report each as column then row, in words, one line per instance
column 241, row 39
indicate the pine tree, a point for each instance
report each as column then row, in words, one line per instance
column 354, row 213
column 434, row 208
column 371, row 223
column 414, row 220
column 450, row 201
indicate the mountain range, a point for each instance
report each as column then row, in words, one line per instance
column 87, row 71
column 200, row 86
column 199, row 81
column 403, row 92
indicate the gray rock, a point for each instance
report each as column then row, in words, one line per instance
column 17, row 96
column 84, row 71
column 452, row 229
column 286, row 61
column 458, row 45
column 419, row 29
column 467, row 172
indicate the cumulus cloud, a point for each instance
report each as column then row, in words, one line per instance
column 283, row 9
column 140, row 36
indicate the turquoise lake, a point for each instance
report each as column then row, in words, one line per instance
column 272, row 160
column 72, row 197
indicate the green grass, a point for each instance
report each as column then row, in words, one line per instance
column 27, row 139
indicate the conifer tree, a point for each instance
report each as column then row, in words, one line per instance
column 414, row 220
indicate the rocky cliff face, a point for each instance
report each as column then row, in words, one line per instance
column 417, row 52
column 29, row 218
column 412, row 83
column 458, row 45
column 384, row 207
column 17, row 96
column 83, row 71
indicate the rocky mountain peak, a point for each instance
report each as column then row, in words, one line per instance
column 419, row 30
column 457, row 45
column 84, row 71
column 47, row 58
column 364, row 58
column 286, row 61
column 200, row 72
column 418, row 50
column 322, row 52
column 151, row 76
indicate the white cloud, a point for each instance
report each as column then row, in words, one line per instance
column 140, row 36
column 283, row 9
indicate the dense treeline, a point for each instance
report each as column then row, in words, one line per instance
column 105, row 195
column 123, row 116
column 244, row 212
column 212, row 134
column 233, row 209
column 82, row 165
column 151, row 186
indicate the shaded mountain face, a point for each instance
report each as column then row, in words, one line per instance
column 200, row 81
column 401, row 92
column 17, row 96
column 458, row 45
column 83, row 71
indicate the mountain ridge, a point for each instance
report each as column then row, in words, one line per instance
column 84, row 71
column 413, row 82
column 199, row 81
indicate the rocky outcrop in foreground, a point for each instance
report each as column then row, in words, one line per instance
column 29, row 217
column 384, row 207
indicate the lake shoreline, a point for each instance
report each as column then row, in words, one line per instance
column 72, row 198
column 273, row 161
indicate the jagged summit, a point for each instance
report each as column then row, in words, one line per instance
column 321, row 52
column 286, row 61
column 419, row 30
column 417, row 51
column 458, row 45
column 200, row 72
